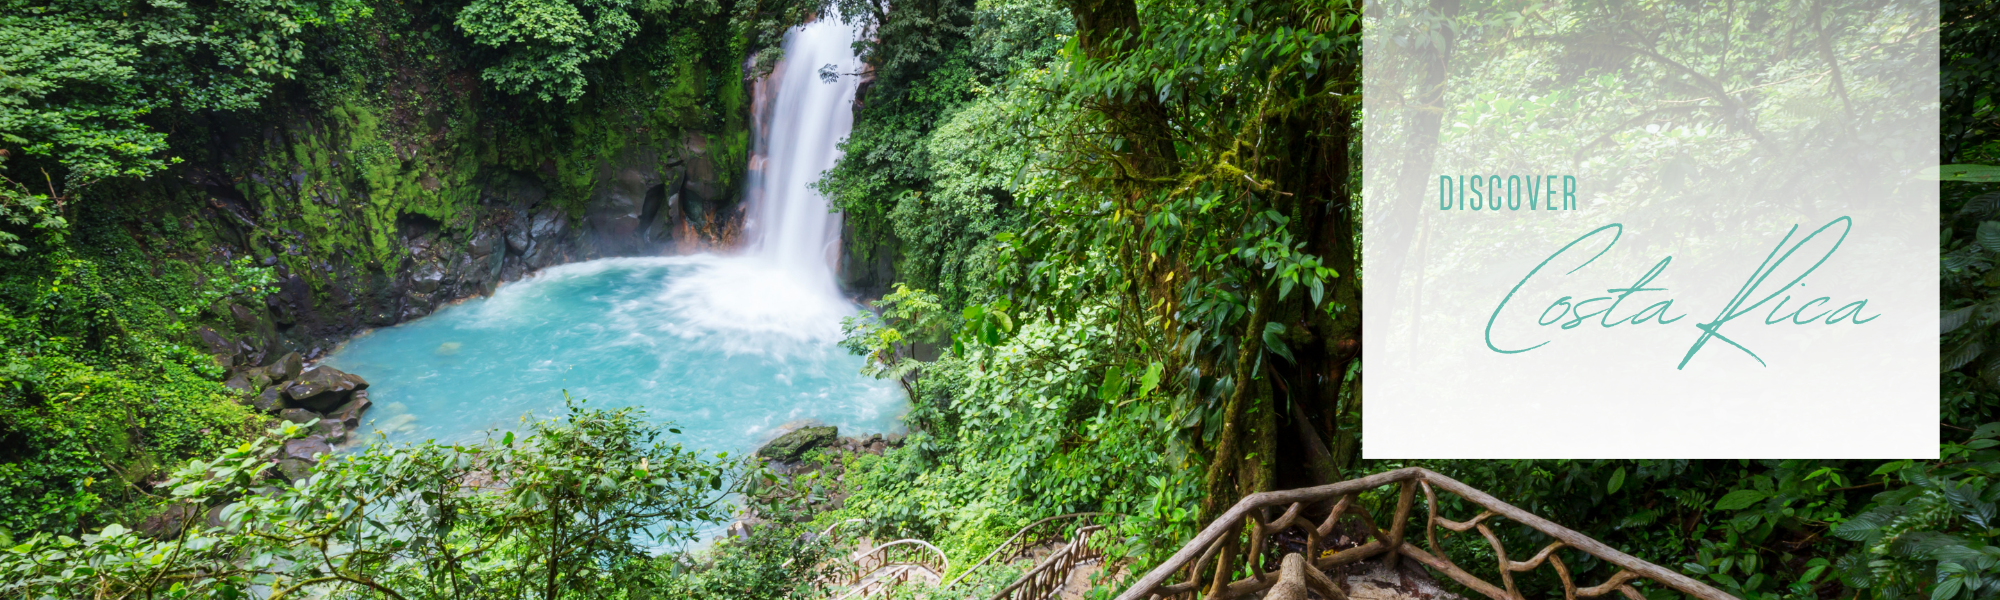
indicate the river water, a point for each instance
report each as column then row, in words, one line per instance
column 731, row 349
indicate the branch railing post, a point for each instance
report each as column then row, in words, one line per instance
column 1216, row 544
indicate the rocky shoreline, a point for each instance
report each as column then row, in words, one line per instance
column 808, row 451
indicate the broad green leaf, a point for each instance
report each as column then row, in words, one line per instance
column 1948, row 588
column 1988, row 235
column 1617, row 481
column 1740, row 499
column 1962, row 354
column 1114, row 384
column 1151, row 380
column 1972, row 173
column 1274, row 343
column 1951, row 320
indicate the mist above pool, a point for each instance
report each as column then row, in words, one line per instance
column 730, row 349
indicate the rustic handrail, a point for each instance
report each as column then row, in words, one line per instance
column 912, row 552
column 1022, row 541
column 1219, row 541
column 826, row 532
column 1046, row 578
column 892, row 564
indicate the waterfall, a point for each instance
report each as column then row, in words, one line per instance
column 779, row 297
column 803, row 120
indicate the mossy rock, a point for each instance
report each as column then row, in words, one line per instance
column 791, row 446
column 322, row 389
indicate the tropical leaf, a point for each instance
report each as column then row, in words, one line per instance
column 1988, row 235
column 1272, row 341
column 1964, row 497
column 1740, row 499
column 1973, row 173
column 1866, row 527
column 1962, row 258
column 1114, row 384
column 1963, row 354
column 1951, row 320
column 1981, row 206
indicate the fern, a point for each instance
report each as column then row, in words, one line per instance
column 1981, row 206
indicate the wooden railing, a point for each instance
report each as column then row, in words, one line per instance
column 1209, row 564
column 872, row 571
column 1047, row 578
column 893, row 564
column 1053, row 529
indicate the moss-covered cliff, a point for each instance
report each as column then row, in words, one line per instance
column 392, row 169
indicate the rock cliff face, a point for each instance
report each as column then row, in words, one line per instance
column 349, row 253
column 646, row 198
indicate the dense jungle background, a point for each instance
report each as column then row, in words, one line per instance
column 1112, row 247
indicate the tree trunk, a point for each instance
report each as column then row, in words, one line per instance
column 1106, row 30
column 1229, row 443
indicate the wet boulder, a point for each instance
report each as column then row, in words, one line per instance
column 793, row 445
column 242, row 383
column 272, row 399
column 427, row 278
column 322, row 389
column 298, row 415
column 168, row 523
column 484, row 243
column 286, row 368
column 332, row 430
column 349, row 414
column 297, row 457
column 548, row 225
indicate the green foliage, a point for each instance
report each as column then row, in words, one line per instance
column 570, row 510
column 83, row 76
column 909, row 316
column 774, row 562
column 70, row 94
column 547, row 42
column 102, row 385
column 922, row 165
column 1970, row 46
column 1937, row 527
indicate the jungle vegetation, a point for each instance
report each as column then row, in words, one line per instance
column 1126, row 241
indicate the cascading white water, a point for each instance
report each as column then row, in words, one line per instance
column 789, row 223
column 781, row 291
column 731, row 348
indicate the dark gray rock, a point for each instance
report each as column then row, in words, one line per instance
column 517, row 236
column 298, row 415
column 294, row 469
column 240, row 383
column 272, row 399
column 287, row 367
column 243, row 315
column 334, row 431
column 427, row 278
column 793, row 445
column 168, row 523
column 349, row 414
column 283, row 312
column 484, row 242
column 215, row 342
column 549, row 224
column 297, row 457
column 322, row 389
